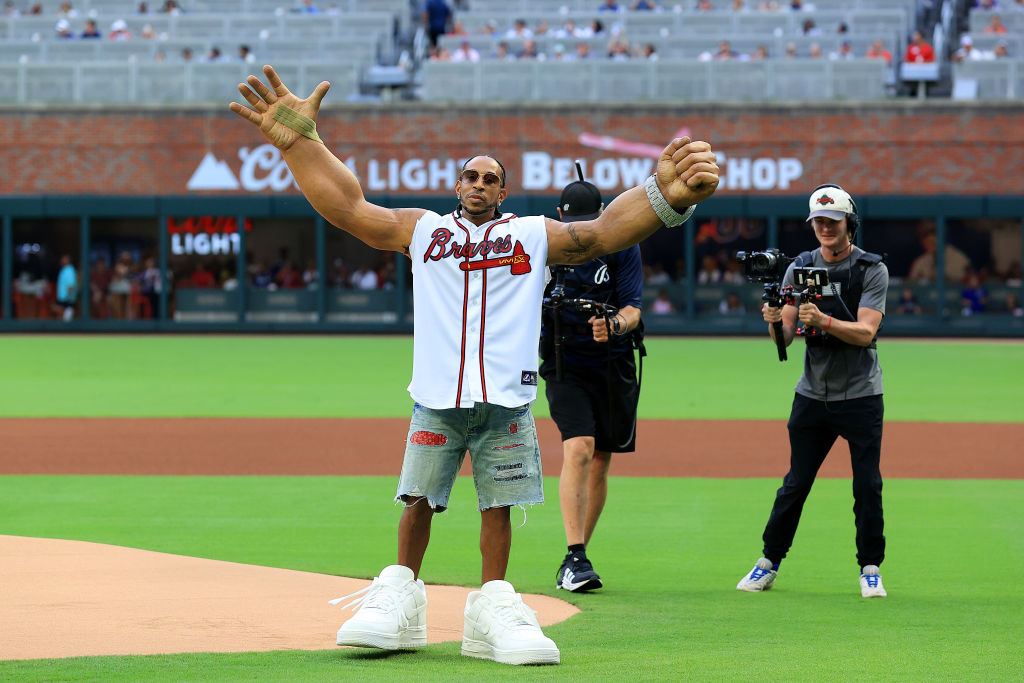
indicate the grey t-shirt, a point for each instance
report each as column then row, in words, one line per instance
column 838, row 374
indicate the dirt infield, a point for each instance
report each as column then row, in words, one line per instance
column 111, row 600
column 665, row 448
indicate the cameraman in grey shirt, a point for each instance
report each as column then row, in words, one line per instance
column 840, row 391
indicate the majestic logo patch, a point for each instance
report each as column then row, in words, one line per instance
column 825, row 199
column 529, row 378
column 513, row 428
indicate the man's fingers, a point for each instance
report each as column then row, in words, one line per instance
column 245, row 113
column 252, row 98
column 261, row 90
column 275, row 81
column 318, row 95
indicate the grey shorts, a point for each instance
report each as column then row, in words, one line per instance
column 503, row 449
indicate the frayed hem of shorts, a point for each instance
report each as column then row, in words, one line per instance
column 434, row 505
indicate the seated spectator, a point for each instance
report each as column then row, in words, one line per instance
column 738, row 6
column 142, row 8
column 308, row 7
column 769, row 6
column 288, row 277
column 814, row 51
column 844, row 52
column 1001, row 50
column 791, row 52
column 1012, row 278
column 974, row 295
column 655, row 274
column 709, row 272
column 919, row 51
column 63, row 29
column 582, row 51
column 1012, row 305
column 186, row 54
column 502, row 53
column 760, row 53
column 202, row 277
column 705, row 6
column 967, row 52
column 529, row 50
column 995, row 25
column 922, row 270
column 245, row 55
column 541, row 30
column 662, row 305
column 90, row 30
column 733, row 274
column 986, row 4
column 490, row 28
column 171, row 7
column 596, row 29
column 877, row 51
column 843, row 28
column 809, row 28
column 908, row 303
column 568, row 30
column 645, row 5
column 99, row 284
column 465, row 53
column 725, row 52
column 310, row 275
column 610, row 6
column 148, row 32
column 364, row 277
column 618, row 50
column 558, row 53
column 261, row 276
column 731, row 304
column 648, row 52
column 67, row 11
column 214, row 56
column 519, row 31
column 119, row 30
column 458, row 29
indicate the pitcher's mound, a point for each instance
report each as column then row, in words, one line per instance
column 72, row 598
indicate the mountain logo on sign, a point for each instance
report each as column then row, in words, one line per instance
column 212, row 174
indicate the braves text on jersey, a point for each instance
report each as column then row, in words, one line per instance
column 477, row 294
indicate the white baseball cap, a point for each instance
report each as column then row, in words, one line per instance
column 119, row 25
column 830, row 202
column 63, row 25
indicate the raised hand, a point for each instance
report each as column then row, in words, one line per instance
column 687, row 172
column 266, row 102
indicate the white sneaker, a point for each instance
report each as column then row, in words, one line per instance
column 392, row 614
column 760, row 578
column 501, row 627
column 871, row 582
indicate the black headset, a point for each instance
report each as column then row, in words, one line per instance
column 852, row 219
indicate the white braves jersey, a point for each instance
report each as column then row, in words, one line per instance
column 477, row 295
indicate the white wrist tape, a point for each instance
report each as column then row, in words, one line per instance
column 669, row 216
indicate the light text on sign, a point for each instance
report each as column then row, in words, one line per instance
column 205, row 235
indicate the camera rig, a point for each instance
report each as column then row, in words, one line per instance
column 769, row 267
column 557, row 302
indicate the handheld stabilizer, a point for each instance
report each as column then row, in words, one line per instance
column 768, row 267
column 557, row 302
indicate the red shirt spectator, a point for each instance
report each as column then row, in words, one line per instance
column 918, row 51
column 995, row 25
column 877, row 51
column 202, row 277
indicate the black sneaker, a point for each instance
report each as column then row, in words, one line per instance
column 577, row 574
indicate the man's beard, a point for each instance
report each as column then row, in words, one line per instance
column 485, row 210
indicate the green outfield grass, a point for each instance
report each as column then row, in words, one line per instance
column 671, row 552
column 334, row 376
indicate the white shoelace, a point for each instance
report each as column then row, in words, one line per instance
column 377, row 596
column 515, row 614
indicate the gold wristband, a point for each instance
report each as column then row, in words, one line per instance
column 303, row 125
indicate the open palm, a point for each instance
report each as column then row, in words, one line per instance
column 266, row 101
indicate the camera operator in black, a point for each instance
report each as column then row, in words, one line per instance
column 839, row 393
column 594, row 404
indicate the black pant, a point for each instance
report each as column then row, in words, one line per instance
column 813, row 428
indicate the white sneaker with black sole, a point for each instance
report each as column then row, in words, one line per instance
column 392, row 612
column 499, row 626
column 760, row 578
column 577, row 574
column 871, row 582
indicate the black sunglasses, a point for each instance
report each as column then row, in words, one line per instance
column 490, row 179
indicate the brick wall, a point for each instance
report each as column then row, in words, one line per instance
column 888, row 148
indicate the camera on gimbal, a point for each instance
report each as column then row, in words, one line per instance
column 764, row 266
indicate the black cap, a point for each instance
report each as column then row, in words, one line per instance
column 580, row 200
